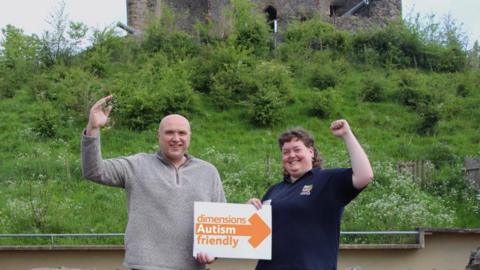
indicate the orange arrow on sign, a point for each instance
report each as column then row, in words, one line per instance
column 258, row 230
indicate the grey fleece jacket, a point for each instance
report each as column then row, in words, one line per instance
column 159, row 233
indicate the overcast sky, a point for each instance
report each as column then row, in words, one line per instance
column 32, row 15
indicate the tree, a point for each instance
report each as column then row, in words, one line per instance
column 474, row 56
column 64, row 40
column 19, row 58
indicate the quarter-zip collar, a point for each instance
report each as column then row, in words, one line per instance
column 167, row 162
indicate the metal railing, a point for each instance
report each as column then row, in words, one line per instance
column 381, row 233
column 355, row 236
column 53, row 236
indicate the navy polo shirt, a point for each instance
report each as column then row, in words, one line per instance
column 306, row 218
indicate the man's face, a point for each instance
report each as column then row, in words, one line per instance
column 174, row 137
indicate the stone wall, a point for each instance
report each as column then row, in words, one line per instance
column 188, row 12
column 288, row 10
column 138, row 12
column 377, row 14
column 386, row 9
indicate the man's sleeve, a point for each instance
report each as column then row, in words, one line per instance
column 111, row 172
column 218, row 192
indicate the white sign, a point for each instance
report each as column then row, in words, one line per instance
column 231, row 230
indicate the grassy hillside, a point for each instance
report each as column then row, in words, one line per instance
column 407, row 97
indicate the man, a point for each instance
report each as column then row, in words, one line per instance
column 160, row 189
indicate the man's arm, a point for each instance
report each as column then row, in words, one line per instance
column 218, row 192
column 107, row 172
column 362, row 170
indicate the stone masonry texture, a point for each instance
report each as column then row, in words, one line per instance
column 377, row 14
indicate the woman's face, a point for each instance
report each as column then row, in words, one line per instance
column 296, row 158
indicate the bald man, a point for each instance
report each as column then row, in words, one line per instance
column 160, row 189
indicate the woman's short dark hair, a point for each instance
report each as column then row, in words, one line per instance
column 307, row 139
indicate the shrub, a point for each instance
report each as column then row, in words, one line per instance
column 266, row 107
column 362, row 51
column 71, row 89
column 143, row 102
column 395, row 202
column 252, row 38
column 9, row 83
column 408, row 96
column 274, row 75
column 448, row 180
column 138, row 98
column 386, row 42
column 19, row 60
column 250, row 30
column 236, row 82
column 216, row 59
column 411, row 93
column 430, row 116
column 139, row 109
column 372, row 91
column 98, row 62
column 415, row 98
column 317, row 35
column 441, row 154
column 411, row 44
column 176, row 45
column 323, row 77
column 40, row 86
column 232, row 84
column 113, row 46
column 322, row 104
column 46, row 123
column 207, row 32
column 272, row 83
column 178, row 93
column 462, row 90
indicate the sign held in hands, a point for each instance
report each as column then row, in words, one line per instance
column 232, row 230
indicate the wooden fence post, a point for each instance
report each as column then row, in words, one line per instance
column 420, row 170
column 472, row 171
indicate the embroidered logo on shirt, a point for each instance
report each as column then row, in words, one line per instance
column 306, row 190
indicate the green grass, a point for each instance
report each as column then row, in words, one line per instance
column 43, row 191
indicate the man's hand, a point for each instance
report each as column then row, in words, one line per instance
column 204, row 258
column 255, row 202
column 98, row 116
column 340, row 128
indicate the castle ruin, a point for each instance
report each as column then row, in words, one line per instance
column 344, row 14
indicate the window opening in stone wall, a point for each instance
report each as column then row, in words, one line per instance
column 271, row 13
column 333, row 11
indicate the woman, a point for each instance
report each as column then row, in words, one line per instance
column 308, row 204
